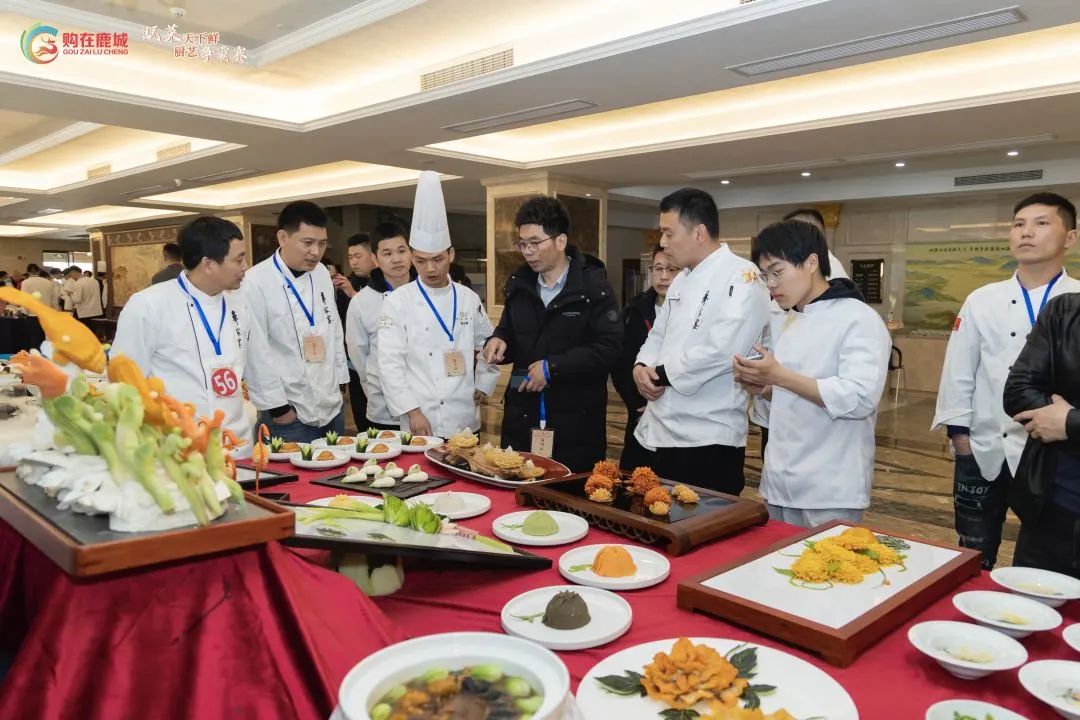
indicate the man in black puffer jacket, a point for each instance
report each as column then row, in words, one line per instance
column 1041, row 393
column 560, row 329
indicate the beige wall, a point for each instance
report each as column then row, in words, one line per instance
column 17, row 253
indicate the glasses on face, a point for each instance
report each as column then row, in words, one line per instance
column 772, row 277
column 527, row 248
column 664, row 269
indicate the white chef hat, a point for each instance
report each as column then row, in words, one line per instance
column 430, row 232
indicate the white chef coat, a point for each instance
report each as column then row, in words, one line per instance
column 823, row 457
column 836, row 268
column 86, row 296
column 49, row 292
column 277, row 372
column 987, row 337
column 759, row 406
column 412, row 345
column 161, row 330
column 711, row 313
column 362, row 344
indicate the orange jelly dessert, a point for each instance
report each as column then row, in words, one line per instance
column 613, row 561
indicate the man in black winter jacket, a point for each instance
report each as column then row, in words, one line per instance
column 1041, row 393
column 560, row 329
column 638, row 318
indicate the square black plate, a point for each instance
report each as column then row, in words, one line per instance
column 401, row 490
column 246, row 478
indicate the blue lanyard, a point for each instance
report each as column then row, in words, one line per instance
column 215, row 341
column 453, row 322
column 543, row 405
column 1046, row 296
column 307, row 313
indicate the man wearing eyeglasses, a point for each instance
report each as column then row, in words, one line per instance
column 560, row 330
column 638, row 318
column 695, row 425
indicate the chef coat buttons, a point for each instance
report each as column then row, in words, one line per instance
column 1012, row 334
column 1005, row 435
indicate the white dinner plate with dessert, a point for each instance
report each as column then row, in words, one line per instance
column 540, row 528
column 568, row 617
column 614, row 567
column 340, row 458
column 455, row 505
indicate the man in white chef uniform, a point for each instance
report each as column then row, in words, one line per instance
column 394, row 269
column 193, row 331
column 987, row 337
column 431, row 330
column 296, row 368
column 824, row 380
column 694, row 426
column 759, row 410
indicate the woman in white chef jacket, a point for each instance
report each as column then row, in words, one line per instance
column 192, row 332
column 297, row 365
column 824, row 380
column 431, row 330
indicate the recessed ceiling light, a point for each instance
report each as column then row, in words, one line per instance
column 588, row 194
column 806, row 173
column 1013, row 153
column 901, row 164
column 49, row 211
column 725, row 182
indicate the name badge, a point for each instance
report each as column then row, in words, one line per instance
column 314, row 348
column 454, row 362
column 224, row 383
column 543, row 442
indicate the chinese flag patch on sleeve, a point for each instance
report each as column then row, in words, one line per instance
column 956, row 324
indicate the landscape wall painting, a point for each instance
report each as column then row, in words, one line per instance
column 940, row 276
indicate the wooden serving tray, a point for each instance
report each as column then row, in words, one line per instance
column 83, row 545
column 684, row 528
column 838, row 643
column 401, row 489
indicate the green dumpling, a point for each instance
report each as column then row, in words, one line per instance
column 539, row 524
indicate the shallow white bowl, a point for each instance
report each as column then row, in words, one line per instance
column 989, row 609
column 1071, row 636
column 369, row 680
column 1049, row 588
column 392, row 453
column 943, row 641
column 947, row 709
column 321, row 442
column 431, row 441
column 1052, row 681
column 609, row 618
column 652, row 568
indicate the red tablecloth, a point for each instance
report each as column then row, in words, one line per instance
column 206, row 639
column 891, row 681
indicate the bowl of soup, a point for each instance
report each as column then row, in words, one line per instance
column 464, row 676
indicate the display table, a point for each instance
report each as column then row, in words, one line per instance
column 267, row 633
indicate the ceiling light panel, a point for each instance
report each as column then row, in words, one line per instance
column 103, row 215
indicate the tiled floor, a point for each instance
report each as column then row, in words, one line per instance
column 912, row 479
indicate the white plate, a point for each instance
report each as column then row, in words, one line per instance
column 282, row 457
column 1052, row 681
column 491, row 479
column 801, row 689
column 652, row 568
column 1047, row 587
column 365, row 499
column 395, row 450
column 571, row 529
column 396, row 439
column 431, row 441
column 1071, row 636
column 340, row 459
column 942, row 639
column 609, row 618
column 987, row 608
column 321, row 442
column 475, row 504
column 947, row 709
